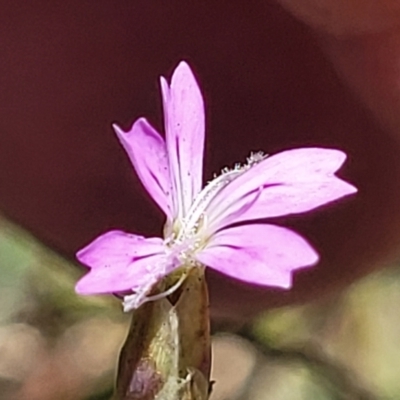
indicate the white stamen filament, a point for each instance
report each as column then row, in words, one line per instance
column 196, row 213
column 169, row 291
column 134, row 300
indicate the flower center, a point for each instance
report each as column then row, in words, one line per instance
column 196, row 218
column 189, row 234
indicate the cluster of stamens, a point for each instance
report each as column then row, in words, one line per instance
column 186, row 238
column 189, row 235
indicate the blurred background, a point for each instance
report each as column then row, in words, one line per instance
column 275, row 75
column 56, row 345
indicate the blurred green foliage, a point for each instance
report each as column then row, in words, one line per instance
column 54, row 344
column 350, row 343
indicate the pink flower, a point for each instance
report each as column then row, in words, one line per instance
column 217, row 226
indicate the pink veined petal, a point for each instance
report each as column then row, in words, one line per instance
column 148, row 154
column 290, row 182
column 184, row 129
column 261, row 254
column 113, row 279
column 121, row 261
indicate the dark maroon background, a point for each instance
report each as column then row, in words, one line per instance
column 70, row 69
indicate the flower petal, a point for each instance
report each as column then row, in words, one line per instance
column 184, row 128
column 259, row 253
column 290, row 182
column 148, row 153
column 120, row 261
